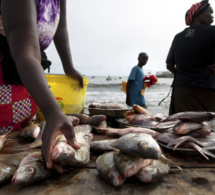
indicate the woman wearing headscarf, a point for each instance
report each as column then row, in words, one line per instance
column 192, row 61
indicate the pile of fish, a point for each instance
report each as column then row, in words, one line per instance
column 134, row 155
column 190, row 131
column 140, row 116
column 127, row 152
column 23, row 162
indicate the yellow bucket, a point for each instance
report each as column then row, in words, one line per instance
column 68, row 93
column 124, row 86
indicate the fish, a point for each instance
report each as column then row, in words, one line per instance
column 6, row 172
column 153, row 172
column 141, row 110
column 97, row 119
column 141, row 119
column 159, row 116
column 14, row 159
column 200, row 133
column 129, row 165
column 192, row 116
column 3, row 138
column 129, row 112
column 31, row 170
column 102, row 145
column 140, row 145
column 107, row 105
column 196, row 133
column 166, row 124
column 31, row 131
column 37, row 143
column 184, row 127
column 102, row 125
column 197, row 144
column 83, row 118
column 83, row 128
column 107, row 169
column 123, row 131
column 75, row 120
column 208, row 141
column 67, row 156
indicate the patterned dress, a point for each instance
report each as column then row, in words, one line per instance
column 16, row 105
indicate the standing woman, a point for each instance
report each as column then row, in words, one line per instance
column 29, row 27
column 192, row 61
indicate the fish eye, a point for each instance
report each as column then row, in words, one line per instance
column 30, row 170
column 125, row 159
column 143, row 144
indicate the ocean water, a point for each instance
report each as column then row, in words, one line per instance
column 102, row 90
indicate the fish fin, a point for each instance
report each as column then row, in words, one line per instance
column 155, row 126
column 116, row 150
column 183, row 139
column 202, row 151
column 165, row 159
column 6, row 134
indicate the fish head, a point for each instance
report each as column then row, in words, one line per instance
column 115, row 177
column 146, row 174
column 150, row 150
column 23, row 174
column 30, row 172
column 128, row 165
column 62, row 151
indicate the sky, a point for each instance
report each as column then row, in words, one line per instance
column 106, row 36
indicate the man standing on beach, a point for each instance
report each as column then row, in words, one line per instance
column 135, row 83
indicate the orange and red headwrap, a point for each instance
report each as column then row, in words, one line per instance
column 195, row 10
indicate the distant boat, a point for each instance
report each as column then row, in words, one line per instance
column 109, row 78
column 164, row 74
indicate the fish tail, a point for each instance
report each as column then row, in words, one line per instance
column 202, row 151
column 155, row 126
column 165, row 159
column 7, row 133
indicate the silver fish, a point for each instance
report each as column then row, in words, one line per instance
column 102, row 145
column 31, row 131
column 6, row 172
column 31, row 169
column 108, row 170
column 67, row 156
column 153, row 172
column 140, row 145
column 124, row 131
column 129, row 165
column 83, row 128
column 185, row 127
column 13, row 159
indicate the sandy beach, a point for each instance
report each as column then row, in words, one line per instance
column 102, row 90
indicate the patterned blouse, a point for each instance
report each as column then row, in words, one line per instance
column 48, row 14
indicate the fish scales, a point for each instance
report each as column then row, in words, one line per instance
column 108, row 170
column 129, row 165
column 67, row 156
column 140, row 145
column 153, row 172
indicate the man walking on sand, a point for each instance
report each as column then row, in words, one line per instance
column 135, row 83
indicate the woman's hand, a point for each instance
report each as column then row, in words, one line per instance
column 56, row 124
column 76, row 75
